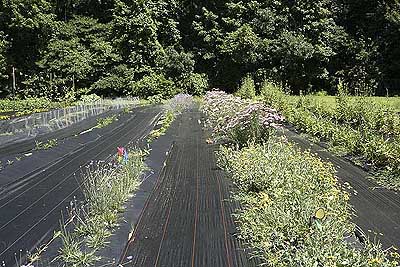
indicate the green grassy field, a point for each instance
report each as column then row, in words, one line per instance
column 330, row 101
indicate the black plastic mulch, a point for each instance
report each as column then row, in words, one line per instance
column 187, row 219
column 377, row 209
column 31, row 205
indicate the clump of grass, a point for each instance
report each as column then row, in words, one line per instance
column 106, row 187
column 103, row 122
column 45, row 145
column 174, row 106
column 294, row 212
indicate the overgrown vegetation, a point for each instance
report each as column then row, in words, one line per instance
column 294, row 212
column 14, row 108
column 237, row 120
column 365, row 131
column 174, row 107
column 281, row 190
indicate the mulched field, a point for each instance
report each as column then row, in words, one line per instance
column 35, row 190
column 187, row 220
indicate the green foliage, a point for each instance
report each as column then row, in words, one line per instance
column 154, row 84
column 3, row 62
column 165, row 123
column 196, row 84
column 106, row 46
column 16, row 107
column 106, row 188
column 103, row 122
column 247, row 89
column 90, row 98
column 280, row 189
column 364, row 130
column 45, row 145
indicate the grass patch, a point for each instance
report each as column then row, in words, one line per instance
column 165, row 123
column 17, row 107
column 106, row 187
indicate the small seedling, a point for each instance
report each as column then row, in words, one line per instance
column 45, row 146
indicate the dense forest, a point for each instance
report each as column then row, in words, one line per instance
column 146, row 47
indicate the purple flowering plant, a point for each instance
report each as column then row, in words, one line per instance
column 241, row 121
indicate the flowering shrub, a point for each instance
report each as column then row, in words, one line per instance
column 293, row 211
column 241, row 121
column 179, row 103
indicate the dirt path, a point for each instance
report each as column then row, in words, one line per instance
column 31, row 205
column 377, row 209
column 187, row 220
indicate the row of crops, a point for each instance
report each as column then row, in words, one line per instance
column 294, row 212
column 363, row 129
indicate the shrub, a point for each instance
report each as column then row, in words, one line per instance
column 352, row 126
column 239, row 120
column 154, row 84
column 196, row 84
column 247, row 89
column 86, row 99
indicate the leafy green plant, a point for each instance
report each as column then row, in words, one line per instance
column 103, row 122
column 196, row 84
column 166, row 123
column 45, row 145
column 154, row 84
column 106, row 187
column 351, row 126
column 247, row 89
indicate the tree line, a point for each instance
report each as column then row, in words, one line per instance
column 65, row 48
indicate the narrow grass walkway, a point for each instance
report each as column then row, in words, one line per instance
column 187, row 219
